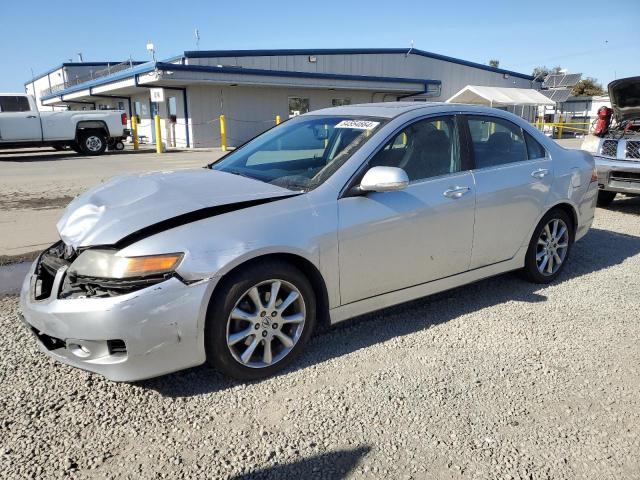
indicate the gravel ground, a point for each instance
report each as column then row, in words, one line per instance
column 500, row 379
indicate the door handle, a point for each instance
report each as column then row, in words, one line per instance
column 31, row 116
column 540, row 173
column 456, row 192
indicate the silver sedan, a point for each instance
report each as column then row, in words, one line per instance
column 329, row 215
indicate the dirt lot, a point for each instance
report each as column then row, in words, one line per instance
column 36, row 185
column 500, row 379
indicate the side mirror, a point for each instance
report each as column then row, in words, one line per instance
column 384, row 179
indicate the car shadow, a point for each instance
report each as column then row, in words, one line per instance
column 600, row 249
column 624, row 204
column 329, row 466
column 25, row 156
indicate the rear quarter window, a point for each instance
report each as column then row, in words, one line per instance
column 534, row 149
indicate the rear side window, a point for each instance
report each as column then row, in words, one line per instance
column 496, row 141
column 534, row 149
column 12, row 103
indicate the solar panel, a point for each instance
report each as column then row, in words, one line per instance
column 562, row 80
column 560, row 95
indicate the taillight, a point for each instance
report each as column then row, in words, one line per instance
column 594, row 175
column 123, row 119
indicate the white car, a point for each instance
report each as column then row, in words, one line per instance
column 332, row 214
column 88, row 132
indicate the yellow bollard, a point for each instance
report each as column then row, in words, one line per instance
column 159, row 148
column 277, row 119
column 560, row 127
column 223, row 134
column 134, row 132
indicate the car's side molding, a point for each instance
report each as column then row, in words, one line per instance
column 193, row 216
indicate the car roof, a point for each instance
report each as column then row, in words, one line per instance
column 394, row 109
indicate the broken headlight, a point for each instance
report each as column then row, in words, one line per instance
column 104, row 273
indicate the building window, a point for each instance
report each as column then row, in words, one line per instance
column 298, row 106
column 338, row 102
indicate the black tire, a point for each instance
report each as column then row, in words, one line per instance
column 224, row 300
column 530, row 271
column 92, row 142
column 605, row 197
column 118, row 146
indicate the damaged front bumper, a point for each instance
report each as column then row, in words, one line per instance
column 138, row 335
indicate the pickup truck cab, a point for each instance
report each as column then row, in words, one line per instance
column 87, row 132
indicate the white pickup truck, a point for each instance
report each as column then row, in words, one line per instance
column 89, row 132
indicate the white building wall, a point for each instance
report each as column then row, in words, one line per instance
column 250, row 110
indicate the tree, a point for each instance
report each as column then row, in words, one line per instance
column 539, row 73
column 587, row 87
column 494, row 63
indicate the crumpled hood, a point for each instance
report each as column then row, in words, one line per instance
column 126, row 204
column 625, row 98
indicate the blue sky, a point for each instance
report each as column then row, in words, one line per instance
column 596, row 38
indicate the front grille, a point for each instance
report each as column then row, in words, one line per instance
column 52, row 259
column 633, row 149
column 609, row 148
column 625, row 176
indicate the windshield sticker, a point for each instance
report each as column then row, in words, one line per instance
column 358, row 124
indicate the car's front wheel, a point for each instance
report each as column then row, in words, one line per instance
column 259, row 320
column 549, row 247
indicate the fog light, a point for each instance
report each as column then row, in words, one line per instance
column 79, row 350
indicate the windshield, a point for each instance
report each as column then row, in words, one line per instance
column 301, row 153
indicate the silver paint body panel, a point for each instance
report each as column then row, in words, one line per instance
column 372, row 251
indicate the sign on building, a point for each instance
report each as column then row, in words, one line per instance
column 157, row 94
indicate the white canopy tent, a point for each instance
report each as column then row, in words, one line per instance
column 500, row 96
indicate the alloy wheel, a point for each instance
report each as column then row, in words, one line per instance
column 552, row 246
column 266, row 323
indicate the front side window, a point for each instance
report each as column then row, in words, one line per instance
column 301, row 153
column 13, row 103
column 298, row 106
column 427, row 148
column 496, row 141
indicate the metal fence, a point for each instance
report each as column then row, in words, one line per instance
column 77, row 80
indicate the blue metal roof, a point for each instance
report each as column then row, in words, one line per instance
column 347, row 51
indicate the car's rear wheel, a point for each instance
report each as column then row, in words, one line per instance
column 92, row 142
column 549, row 247
column 605, row 197
column 259, row 320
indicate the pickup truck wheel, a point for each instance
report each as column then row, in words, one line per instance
column 92, row 142
column 605, row 197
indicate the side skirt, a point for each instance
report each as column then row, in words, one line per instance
column 379, row 302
